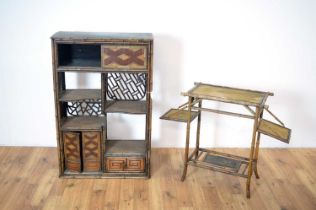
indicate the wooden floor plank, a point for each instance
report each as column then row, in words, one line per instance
column 29, row 180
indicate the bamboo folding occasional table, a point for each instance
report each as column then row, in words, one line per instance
column 254, row 102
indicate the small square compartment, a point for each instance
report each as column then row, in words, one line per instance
column 84, row 55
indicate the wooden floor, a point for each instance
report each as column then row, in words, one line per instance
column 29, row 181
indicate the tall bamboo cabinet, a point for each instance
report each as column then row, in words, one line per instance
column 124, row 62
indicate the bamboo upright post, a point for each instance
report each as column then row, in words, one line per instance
column 187, row 142
column 197, row 146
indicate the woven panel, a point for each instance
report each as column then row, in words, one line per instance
column 126, row 86
column 86, row 107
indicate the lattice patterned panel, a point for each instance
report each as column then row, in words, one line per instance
column 126, row 86
column 86, row 107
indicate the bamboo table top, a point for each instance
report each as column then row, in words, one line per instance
column 228, row 94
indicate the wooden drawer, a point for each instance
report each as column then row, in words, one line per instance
column 127, row 57
column 115, row 164
column 134, row 164
column 120, row 164
column 91, row 151
column 72, row 151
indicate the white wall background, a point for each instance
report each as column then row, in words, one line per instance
column 264, row 45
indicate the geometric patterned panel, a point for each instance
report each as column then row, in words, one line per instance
column 115, row 164
column 135, row 164
column 126, row 86
column 91, row 145
column 86, row 107
column 72, row 151
column 123, row 57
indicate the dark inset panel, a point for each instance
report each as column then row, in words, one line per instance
column 85, row 55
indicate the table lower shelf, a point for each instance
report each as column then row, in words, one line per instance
column 221, row 162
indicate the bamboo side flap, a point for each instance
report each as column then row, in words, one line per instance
column 179, row 115
column 274, row 130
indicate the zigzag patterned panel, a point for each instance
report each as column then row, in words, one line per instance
column 123, row 57
column 126, row 86
column 91, row 151
column 72, row 151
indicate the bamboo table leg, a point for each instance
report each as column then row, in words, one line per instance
column 197, row 146
column 187, row 142
column 251, row 156
column 256, row 155
column 255, row 161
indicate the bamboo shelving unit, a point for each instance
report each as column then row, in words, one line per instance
column 124, row 63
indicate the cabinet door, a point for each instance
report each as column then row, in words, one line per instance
column 91, row 151
column 114, row 164
column 134, row 164
column 72, row 151
column 127, row 57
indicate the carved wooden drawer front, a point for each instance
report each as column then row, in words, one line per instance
column 72, row 151
column 135, row 164
column 116, row 164
column 91, row 146
column 124, row 57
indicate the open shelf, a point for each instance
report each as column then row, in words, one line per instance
column 129, row 107
column 78, row 69
column 80, row 94
column 79, row 55
column 125, row 148
column 81, row 63
column 71, row 67
column 83, row 123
